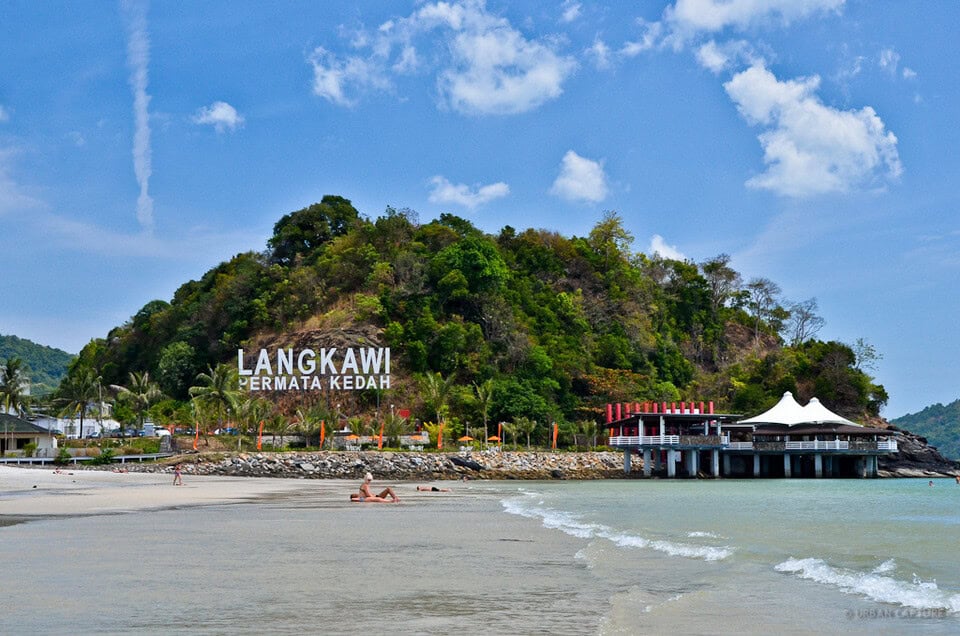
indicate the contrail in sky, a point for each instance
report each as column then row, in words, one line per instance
column 138, row 57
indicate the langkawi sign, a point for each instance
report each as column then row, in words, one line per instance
column 330, row 369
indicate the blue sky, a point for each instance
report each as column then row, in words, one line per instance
column 812, row 140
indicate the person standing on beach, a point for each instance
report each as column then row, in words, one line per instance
column 177, row 476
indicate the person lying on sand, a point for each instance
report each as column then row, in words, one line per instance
column 355, row 498
column 366, row 495
column 432, row 489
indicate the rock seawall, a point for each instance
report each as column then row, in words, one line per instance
column 387, row 466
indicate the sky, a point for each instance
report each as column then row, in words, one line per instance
column 813, row 141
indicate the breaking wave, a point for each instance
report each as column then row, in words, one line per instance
column 571, row 524
column 874, row 585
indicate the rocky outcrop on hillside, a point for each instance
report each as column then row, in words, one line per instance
column 916, row 458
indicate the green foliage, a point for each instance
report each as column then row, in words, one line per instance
column 939, row 424
column 550, row 327
column 177, row 368
column 303, row 232
column 43, row 366
column 105, row 457
column 63, row 456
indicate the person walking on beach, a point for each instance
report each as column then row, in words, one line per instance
column 177, row 476
column 366, row 495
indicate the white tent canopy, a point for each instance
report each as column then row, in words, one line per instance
column 817, row 412
column 788, row 411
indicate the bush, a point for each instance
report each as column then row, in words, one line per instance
column 63, row 457
column 30, row 449
column 105, row 457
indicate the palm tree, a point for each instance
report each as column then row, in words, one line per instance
column 218, row 390
column 511, row 430
column 436, row 391
column 250, row 412
column 526, row 426
column 13, row 378
column 306, row 422
column 141, row 393
column 484, row 400
column 77, row 392
column 589, row 430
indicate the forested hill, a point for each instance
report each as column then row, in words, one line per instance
column 553, row 326
column 939, row 424
column 45, row 366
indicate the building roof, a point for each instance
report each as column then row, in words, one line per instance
column 12, row 424
column 789, row 412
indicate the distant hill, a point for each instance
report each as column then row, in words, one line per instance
column 939, row 424
column 46, row 366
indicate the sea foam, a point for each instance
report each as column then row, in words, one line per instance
column 874, row 585
column 571, row 524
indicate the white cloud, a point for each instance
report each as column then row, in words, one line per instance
column 445, row 192
column 580, row 179
column 889, row 60
column 571, row 11
column 138, row 59
column 659, row 246
column 483, row 65
column 4, row 114
column 720, row 57
column 811, row 148
column 909, row 73
column 332, row 77
column 600, row 53
column 689, row 17
column 650, row 35
column 77, row 138
column 13, row 198
column 495, row 70
column 221, row 115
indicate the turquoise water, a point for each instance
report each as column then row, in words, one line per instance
column 793, row 555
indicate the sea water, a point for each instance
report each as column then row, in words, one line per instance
column 764, row 556
column 598, row 557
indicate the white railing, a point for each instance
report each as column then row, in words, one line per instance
column 725, row 440
column 645, row 440
column 887, row 445
column 819, row 445
column 739, row 445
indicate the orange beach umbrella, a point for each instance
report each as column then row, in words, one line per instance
column 465, row 438
column 493, row 438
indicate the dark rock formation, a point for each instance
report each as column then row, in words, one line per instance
column 915, row 459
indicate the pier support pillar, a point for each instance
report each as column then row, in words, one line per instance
column 872, row 466
column 658, row 461
column 787, row 465
column 671, row 463
column 647, row 462
column 715, row 463
column 818, row 465
column 692, row 462
column 626, row 461
column 726, row 465
column 756, row 465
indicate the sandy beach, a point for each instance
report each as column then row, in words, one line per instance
column 33, row 492
column 119, row 552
